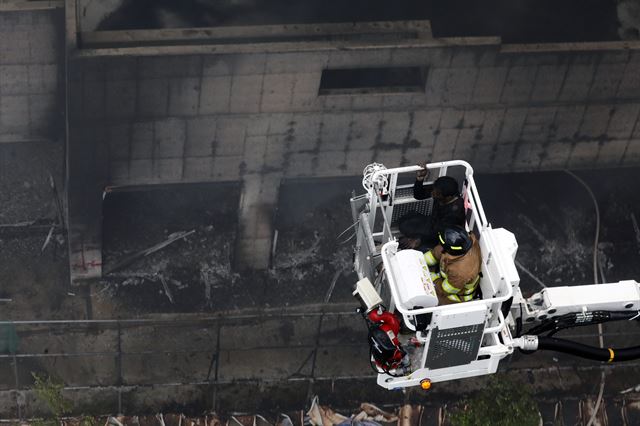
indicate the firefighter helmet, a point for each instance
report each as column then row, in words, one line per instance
column 455, row 240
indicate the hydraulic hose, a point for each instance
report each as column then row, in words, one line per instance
column 586, row 351
column 577, row 319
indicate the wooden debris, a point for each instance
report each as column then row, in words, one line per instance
column 165, row 286
column 143, row 253
column 48, row 239
column 58, row 203
column 18, row 225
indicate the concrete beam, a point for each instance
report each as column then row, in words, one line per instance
column 258, row 202
column 22, row 6
column 261, row 33
column 71, row 26
column 587, row 46
column 288, row 46
column 86, row 177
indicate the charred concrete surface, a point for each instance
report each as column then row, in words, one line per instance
column 32, row 72
column 554, row 219
column 36, row 280
column 253, row 116
column 187, row 275
column 308, row 266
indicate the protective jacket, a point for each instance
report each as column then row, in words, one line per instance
column 451, row 213
column 458, row 277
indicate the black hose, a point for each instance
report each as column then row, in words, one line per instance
column 578, row 319
column 506, row 306
column 586, row 351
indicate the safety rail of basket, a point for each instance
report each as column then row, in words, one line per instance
column 470, row 193
column 365, row 254
column 477, row 222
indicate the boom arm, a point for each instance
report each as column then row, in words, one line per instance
column 557, row 308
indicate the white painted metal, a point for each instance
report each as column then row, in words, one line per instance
column 555, row 301
column 366, row 292
column 414, row 284
column 499, row 276
column 401, row 287
column 460, row 315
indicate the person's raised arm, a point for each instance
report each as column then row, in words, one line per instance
column 419, row 193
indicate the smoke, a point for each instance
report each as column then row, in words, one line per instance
column 516, row 21
column 629, row 18
column 148, row 14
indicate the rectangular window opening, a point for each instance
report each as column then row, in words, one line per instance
column 373, row 80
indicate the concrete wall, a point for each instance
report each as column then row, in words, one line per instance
column 218, row 117
column 31, row 72
column 252, row 112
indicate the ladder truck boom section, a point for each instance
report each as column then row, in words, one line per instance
column 413, row 340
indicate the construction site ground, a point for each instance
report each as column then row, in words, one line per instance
column 179, row 330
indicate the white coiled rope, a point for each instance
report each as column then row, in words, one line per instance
column 381, row 180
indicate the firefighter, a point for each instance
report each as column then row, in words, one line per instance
column 459, row 260
column 420, row 231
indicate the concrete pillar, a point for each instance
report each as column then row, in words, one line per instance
column 85, row 252
column 258, row 203
column 86, row 177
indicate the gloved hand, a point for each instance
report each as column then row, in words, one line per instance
column 424, row 173
column 405, row 243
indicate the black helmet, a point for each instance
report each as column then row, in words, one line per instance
column 455, row 240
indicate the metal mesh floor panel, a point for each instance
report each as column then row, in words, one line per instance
column 402, row 193
column 401, row 208
column 454, row 346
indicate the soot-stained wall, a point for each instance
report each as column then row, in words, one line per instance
column 217, row 117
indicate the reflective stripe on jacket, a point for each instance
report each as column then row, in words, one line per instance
column 430, row 258
column 456, row 294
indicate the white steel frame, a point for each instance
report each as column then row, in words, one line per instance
column 498, row 282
